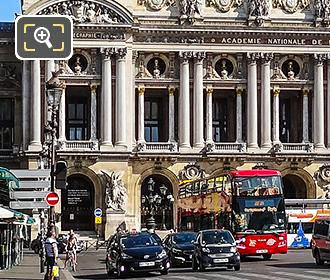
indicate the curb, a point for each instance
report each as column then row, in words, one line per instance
column 67, row 275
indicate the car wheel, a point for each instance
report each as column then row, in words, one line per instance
column 164, row 272
column 318, row 259
column 237, row 267
column 201, row 266
column 267, row 256
column 194, row 264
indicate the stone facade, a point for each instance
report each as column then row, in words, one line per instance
column 264, row 63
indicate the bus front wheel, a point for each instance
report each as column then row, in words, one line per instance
column 267, row 256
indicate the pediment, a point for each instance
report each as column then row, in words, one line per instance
column 89, row 11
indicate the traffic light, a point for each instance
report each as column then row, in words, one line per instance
column 60, row 174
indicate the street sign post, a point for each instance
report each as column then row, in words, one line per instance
column 52, row 198
column 98, row 212
column 98, row 220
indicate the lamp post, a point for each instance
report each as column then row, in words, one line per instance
column 54, row 93
column 154, row 202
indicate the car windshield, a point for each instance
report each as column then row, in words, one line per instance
column 258, row 186
column 217, row 237
column 137, row 241
column 181, row 238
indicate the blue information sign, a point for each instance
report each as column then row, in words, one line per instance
column 98, row 212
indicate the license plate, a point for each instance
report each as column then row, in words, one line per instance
column 144, row 264
column 262, row 251
column 220, row 260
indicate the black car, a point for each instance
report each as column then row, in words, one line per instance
column 180, row 247
column 215, row 248
column 135, row 252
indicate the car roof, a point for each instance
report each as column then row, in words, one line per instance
column 132, row 234
column 213, row 230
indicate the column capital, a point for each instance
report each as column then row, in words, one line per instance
column 319, row 58
column 185, row 56
column 121, row 53
column 239, row 90
column 141, row 89
column 199, row 56
column 266, row 57
column 276, row 90
column 171, row 90
column 253, row 57
column 305, row 91
column 93, row 88
column 209, row 90
column 107, row 53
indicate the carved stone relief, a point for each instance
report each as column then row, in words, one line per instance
column 258, row 10
column 191, row 171
column 190, row 10
column 322, row 11
column 322, row 176
column 156, row 5
column 9, row 76
column 291, row 6
column 84, row 12
column 224, row 5
column 115, row 191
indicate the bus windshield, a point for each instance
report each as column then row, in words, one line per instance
column 259, row 216
column 258, row 186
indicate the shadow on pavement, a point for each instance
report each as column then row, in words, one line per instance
column 104, row 276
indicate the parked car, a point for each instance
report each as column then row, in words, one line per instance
column 215, row 248
column 321, row 240
column 180, row 247
column 135, row 252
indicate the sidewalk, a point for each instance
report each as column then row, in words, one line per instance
column 30, row 269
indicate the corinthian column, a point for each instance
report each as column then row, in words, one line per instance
column 276, row 115
column 106, row 101
column 252, row 102
column 209, row 115
column 35, row 140
column 265, row 101
column 318, row 120
column 61, row 118
column 93, row 111
column 171, row 114
column 184, row 101
column 198, row 116
column 141, row 139
column 305, row 115
column 239, row 92
column 26, row 97
column 121, row 98
column 328, row 100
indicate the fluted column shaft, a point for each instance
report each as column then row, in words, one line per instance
column 265, row 102
column 93, row 111
column 62, row 118
column 198, row 116
column 26, row 83
column 121, row 98
column 239, row 137
column 35, row 139
column 184, row 101
column 171, row 114
column 106, row 99
column 141, row 138
column 318, row 121
column 328, row 101
column 305, row 115
column 209, row 115
column 276, row 115
column 252, row 101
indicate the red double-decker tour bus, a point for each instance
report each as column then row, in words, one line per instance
column 250, row 203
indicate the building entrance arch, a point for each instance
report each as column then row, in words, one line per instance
column 294, row 187
column 78, row 204
column 157, row 202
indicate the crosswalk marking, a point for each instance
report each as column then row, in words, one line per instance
column 299, row 275
column 264, row 276
column 318, row 272
column 218, row 276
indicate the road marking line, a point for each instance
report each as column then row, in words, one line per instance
column 299, row 275
column 318, row 272
column 258, row 276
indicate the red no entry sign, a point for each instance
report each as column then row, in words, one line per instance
column 52, row 198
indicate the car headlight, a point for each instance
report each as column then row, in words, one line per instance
column 206, row 250
column 174, row 250
column 162, row 254
column 233, row 249
column 125, row 256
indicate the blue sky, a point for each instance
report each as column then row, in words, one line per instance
column 8, row 9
